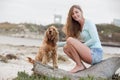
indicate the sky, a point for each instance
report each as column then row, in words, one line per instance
column 43, row 11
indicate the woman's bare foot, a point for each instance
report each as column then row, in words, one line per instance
column 77, row 68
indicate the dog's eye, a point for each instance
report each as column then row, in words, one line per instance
column 53, row 29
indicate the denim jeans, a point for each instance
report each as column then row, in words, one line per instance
column 97, row 55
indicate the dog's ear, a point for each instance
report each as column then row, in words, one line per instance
column 56, row 36
column 46, row 36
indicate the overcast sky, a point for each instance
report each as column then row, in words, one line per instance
column 42, row 11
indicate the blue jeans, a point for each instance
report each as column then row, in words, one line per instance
column 97, row 55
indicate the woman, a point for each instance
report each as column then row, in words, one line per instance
column 91, row 50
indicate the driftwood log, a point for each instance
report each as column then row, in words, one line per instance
column 104, row 69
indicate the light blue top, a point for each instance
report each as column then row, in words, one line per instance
column 89, row 36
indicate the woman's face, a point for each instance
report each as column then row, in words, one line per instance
column 76, row 14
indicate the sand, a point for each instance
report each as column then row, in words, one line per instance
column 9, row 70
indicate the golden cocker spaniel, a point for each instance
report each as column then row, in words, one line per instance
column 48, row 48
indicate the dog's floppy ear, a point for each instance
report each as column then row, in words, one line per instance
column 57, row 36
column 46, row 36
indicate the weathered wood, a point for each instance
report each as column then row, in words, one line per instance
column 104, row 69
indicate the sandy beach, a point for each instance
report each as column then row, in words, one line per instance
column 10, row 67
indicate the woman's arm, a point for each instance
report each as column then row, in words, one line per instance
column 93, row 34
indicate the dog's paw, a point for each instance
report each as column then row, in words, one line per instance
column 55, row 67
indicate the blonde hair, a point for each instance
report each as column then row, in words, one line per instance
column 72, row 28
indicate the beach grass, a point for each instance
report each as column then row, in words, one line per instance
column 24, row 76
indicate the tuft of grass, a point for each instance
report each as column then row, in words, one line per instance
column 91, row 78
column 25, row 76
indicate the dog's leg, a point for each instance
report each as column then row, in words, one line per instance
column 44, row 59
column 55, row 59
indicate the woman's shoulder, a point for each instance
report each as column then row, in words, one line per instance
column 88, row 22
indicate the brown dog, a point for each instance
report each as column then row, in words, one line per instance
column 48, row 48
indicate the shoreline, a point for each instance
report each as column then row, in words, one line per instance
column 6, row 39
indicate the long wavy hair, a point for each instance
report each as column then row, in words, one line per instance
column 72, row 28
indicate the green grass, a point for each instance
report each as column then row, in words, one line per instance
column 25, row 76
column 91, row 78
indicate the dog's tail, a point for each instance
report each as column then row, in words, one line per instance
column 31, row 60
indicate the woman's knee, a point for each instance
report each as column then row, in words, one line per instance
column 69, row 40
